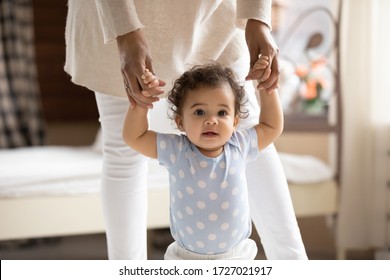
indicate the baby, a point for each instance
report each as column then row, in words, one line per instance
column 209, row 209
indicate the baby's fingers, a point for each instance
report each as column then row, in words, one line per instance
column 147, row 77
column 265, row 76
column 153, row 92
column 260, row 64
column 150, row 79
column 153, row 82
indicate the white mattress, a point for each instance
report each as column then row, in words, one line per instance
column 58, row 170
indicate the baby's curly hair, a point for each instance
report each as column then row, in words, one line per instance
column 212, row 74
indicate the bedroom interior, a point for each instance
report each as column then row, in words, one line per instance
column 312, row 134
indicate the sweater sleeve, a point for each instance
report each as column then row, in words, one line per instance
column 253, row 9
column 117, row 18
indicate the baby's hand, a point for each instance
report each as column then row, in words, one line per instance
column 151, row 81
column 260, row 70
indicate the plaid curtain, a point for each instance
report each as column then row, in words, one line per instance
column 21, row 118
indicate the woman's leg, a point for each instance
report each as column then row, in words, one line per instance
column 271, row 208
column 124, row 189
column 269, row 198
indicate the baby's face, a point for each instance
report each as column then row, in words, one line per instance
column 208, row 118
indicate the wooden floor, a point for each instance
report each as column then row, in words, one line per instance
column 93, row 247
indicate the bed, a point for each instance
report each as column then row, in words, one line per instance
column 54, row 191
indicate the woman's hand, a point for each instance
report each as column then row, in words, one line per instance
column 134, row 58
column 260, row 41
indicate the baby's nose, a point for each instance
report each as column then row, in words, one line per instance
column 211, row 120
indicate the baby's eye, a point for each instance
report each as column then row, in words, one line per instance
column 199, row 112
column 222, row 113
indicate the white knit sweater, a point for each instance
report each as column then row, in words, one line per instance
column 180, row 33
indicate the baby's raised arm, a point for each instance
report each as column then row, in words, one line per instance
column 271, row 114
column 136, row 131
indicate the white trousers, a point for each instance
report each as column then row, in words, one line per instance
column 124, row 190
column 245, row 250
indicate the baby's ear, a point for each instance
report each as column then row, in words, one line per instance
column 236, row 121
column 179, row 123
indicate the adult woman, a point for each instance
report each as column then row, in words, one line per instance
column 179, row 33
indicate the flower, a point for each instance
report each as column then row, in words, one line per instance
column 312, row 83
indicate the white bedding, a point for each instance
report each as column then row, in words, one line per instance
column 50, row 164
column 305, row 169
column 58, row 170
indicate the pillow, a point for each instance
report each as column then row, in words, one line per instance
column 305, row 169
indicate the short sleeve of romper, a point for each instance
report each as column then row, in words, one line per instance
column 209, row 210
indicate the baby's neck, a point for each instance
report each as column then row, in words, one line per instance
column 211, row 153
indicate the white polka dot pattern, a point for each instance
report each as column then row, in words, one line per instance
column 209, row 207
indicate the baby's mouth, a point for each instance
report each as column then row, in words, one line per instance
column 209, row 133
